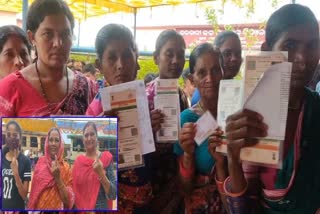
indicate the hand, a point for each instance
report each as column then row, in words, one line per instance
column 14, row 163
column 55, row 169
column 186, row 138
column 214, row 141
column 241, row 130
column 157, row 117
column 110, row 113
column 97, row 166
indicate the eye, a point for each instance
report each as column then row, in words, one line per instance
column 10, row 54
column 289, row 45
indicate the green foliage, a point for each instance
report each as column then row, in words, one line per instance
column 87, row 58
column 146, row 66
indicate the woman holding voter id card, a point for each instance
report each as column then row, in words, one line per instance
column 295, row 188
column 94, row 182
column 51, row 187
column 16, row 169
column 200, row 167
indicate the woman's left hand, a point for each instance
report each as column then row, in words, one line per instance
column 214, row 141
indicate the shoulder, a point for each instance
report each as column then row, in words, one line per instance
column 24, row 159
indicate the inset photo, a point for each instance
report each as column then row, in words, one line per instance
column 59, row 164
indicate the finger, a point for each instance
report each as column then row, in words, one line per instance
column 246, row 132
column 246, row 121
column 186, row 136
column 214, row 139
column 244, row 113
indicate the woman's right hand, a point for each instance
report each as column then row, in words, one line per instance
column 186, row 138
column 157, row 117
column 242, row 129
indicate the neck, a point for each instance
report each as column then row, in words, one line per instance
column 210, row 106
column 295, row 99
column 52, row 73
column 91, row 153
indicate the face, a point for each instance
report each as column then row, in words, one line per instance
column 12, row 137
column 171, row 59
column 53, row 40
column 119, row 63
column 90, row 138
column 77, row 66
column 302, row 44
column 14, row 56
column 207, row 75
column 90, row 76
column 54, row 143
column 231, row 53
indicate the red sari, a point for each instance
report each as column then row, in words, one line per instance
column 19, row 98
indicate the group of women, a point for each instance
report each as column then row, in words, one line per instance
column 181, row 177
column 54, row 185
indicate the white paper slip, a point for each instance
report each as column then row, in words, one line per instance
column 256, row 63
column 206, row 125
column 143, row 114
column 230, row 100
column 270, row 98
column 170, row 106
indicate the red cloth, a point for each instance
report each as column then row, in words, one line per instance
column 86, row 182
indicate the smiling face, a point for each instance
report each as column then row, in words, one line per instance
column 170, row 59
column 90, row 138
column 302, row 44
column 14, row 56
column 54, row 143
column 53, row 40
column 207, row 75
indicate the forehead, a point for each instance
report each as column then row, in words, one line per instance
column 14, row 42
column 12, row 128
column 230, row 42
column 57, row 22
column 174, row 44
column 54, row 133
column 207, row 59
column 117, row 46
column 300, row 33
column 89, row 129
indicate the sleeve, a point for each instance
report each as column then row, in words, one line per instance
column 92, row 90
column 27, row 170
column 113, row 183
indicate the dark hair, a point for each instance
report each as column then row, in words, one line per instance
column 54, row 129
column 185, row 74
column 16, row 124
column 89, row 68
column 8, row 31
column 149, row 77
column 90, row 124
column 112, row 32
column 197, row 52
column 286, row 17
column 164, row 37
column 39, row 9
column 223, row 36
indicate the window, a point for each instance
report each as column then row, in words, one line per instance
column 34, row 142
column 3, row 139
column 43, row 140
column 24, row 141
column 78, row 145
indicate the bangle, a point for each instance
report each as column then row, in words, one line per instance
column 220, row 185
column 184, row 172
column 226, row 186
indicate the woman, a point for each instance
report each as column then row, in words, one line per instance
column 15, row 50
column 47, row 87
column 196, row 162
column 16, row 169
column 117, row 56
column 96, row 169
column 51, row 187
column 296, row 187
column 229, row 44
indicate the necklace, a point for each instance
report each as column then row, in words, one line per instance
column 41, row 84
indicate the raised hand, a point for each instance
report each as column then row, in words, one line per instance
column 97, row 166
column 242, row 129
column 55, row 169
column 214, row 141
column 14, row 163
column 186, row 138
column 157, row 118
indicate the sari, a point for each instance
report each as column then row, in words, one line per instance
column 44, row 192
column 204, row 197
column 86, row 182
column 295, row 188
column 19, row 98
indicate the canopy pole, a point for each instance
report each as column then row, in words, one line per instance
column 79, row 26
column 135, row 23
column 25, row 5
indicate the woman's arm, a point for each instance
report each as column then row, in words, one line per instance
column 108, row 182
column 64, row 193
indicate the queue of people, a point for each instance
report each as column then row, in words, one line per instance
column 177, row 178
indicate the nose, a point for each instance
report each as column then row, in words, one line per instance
column 18, row 62
column 57, row 41
column 299, row 60
column 175, row 59
column 120, row 64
